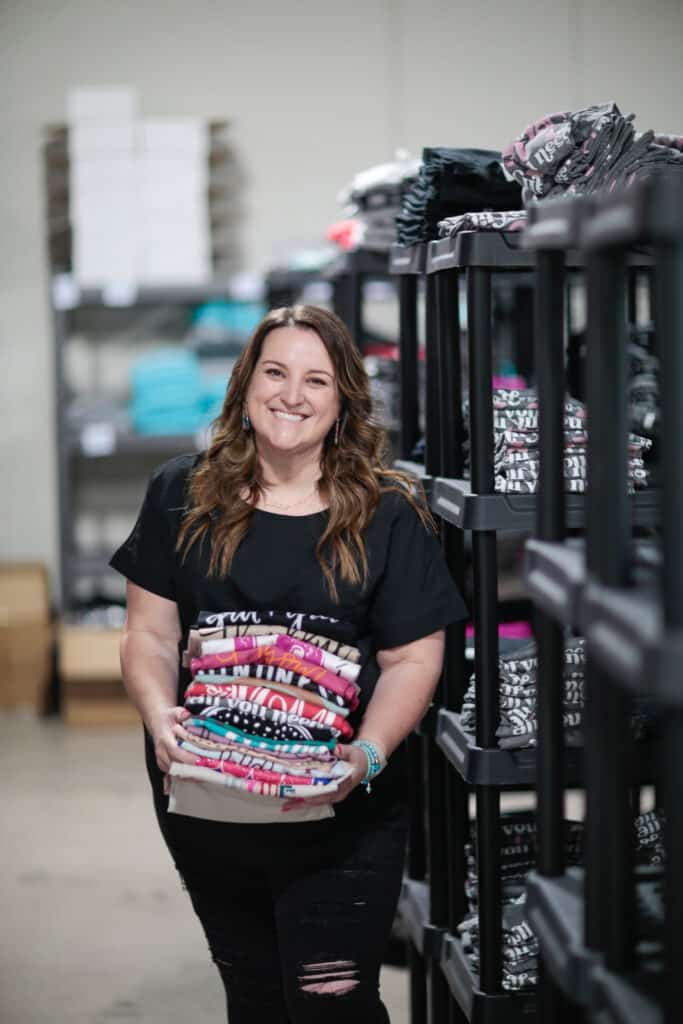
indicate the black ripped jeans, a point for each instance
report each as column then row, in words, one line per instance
column 297, row 916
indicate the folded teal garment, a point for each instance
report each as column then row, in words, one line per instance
column 257, row 743
column 157, row 423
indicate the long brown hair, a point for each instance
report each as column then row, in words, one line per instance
column 353, row 475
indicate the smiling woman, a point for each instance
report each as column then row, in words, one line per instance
column 292, row 403
column 306, row 583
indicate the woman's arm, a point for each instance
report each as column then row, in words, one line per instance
column 408, row 678
column 149, row 665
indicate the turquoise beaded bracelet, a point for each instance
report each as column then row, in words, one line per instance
column 376, row 761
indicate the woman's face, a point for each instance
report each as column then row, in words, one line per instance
column 292, row 398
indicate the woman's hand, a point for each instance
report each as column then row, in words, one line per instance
column 166, row 729
column 358, row 760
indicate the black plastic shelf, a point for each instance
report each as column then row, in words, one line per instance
column 492, row 766
column 622, row 1000
column 68, row 295
column 555, row 912
column 501, row 250
column 414, row 910
column 136, row 444
column 457, row 504
column 407, row 259
column 490, row 250
column 416, row 470
column 555, row 576
column 478, row 1007
column 623, row 630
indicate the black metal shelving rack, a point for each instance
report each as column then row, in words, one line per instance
column 468, row 505
column 67, row 299
column 475, row 507
column 348, row 274
column 474, row 762
column 586, row 924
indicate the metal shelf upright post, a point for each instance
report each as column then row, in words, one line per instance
column 407, row 264
column 478, row 256
column 641, row 628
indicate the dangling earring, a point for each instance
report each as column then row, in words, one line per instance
column 336, row 433
column 246, row 422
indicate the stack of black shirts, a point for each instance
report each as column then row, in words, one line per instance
column 517, row 688
column 516, row 437
column 517, row 859
column 593, row 149
column 453, row 182
column 374, row 199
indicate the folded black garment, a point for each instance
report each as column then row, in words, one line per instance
column 453, row 182
column 257, row 724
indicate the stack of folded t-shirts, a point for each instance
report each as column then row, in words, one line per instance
column 374, row 199
column 269, row 699
column 517, row 690
column 516, row 438
column 486, row 220
column 593, row 149
column 643, row 385
column 453, row 182
column 650, row 838
column 518, row 847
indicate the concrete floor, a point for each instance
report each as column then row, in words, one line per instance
column 95, row 928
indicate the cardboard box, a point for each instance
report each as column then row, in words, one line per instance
column 88, row 655
column 92, row 693
column 24, row 596
column 25, row 664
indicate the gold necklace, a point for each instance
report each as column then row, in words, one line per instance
column 294, row 504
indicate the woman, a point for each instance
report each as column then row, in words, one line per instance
column 290, row 509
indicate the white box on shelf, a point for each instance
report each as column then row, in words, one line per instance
column 93, row 101
column 183, row 136
column 93, row 210
column 168, row 202
column 183, row 265
column 104, row 256
column 100, row 173
column 173, row 172
column 98, row 138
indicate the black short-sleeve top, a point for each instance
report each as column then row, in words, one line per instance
column 408, row 593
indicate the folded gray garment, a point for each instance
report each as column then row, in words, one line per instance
column 484, row 220
column 523, row 721
column 571, row 739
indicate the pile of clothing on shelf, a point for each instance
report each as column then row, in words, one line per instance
column 518, row 847
column 453, row 182
column 172, row 393
column 650, row 838
column 486, row 220
column 518, row 851
column 372, row 201
column 517, row 690
column 643, row 385
column 516, row 438
column 593, row 149
column 269, row 699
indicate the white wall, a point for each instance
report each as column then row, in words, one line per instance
column 318, row 90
